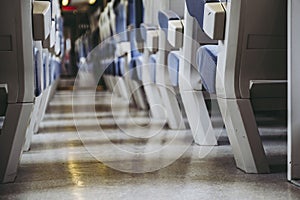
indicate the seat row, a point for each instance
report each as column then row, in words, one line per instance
column 192, row 60
column 30, row 70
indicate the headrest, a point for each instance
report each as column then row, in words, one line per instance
column 196, row 9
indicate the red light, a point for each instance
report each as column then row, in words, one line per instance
column 69, row 8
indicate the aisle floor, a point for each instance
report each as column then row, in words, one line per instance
column 82, row 161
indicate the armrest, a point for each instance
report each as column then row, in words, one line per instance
column 196, row 9
column 50, row 41
column 145, row 28
column 152, row 40
column 214, row 21
column 41, row 19
column 149, row 34
column 175, row 33
column 268, row 88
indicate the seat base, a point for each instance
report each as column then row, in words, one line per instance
column 199, row 118
column 12, row 139
column 243, row 135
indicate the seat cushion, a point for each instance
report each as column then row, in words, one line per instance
column 139, row 66
column 152, row 67
column 207, row 65
column 135, row 68
column 38, row 72
column 119, row 66
column 55, row 65
column 173, row 66
column 45, row 70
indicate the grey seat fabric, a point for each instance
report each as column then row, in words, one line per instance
column 207, row 56
column 173, row 66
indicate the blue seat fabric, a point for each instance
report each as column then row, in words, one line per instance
column 152, row 67
column 163, row 19
column 196, row 9
column 121, row 25
column 37, row 68
column 173, row 66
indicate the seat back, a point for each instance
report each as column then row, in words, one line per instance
column 135, row 18
column 17, row 67
column 121, row 22
column 135, row 14
column 196, row 9
column 254, row 47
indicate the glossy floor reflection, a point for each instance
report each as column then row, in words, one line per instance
column 66, row 160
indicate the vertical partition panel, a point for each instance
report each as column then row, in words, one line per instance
column 293, row 89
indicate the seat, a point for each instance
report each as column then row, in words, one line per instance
column 17, row 78
column 262, row 60
column 46, row 76
column 193, row 58
column 106, row 50
column 174, row 113
column 130, row 52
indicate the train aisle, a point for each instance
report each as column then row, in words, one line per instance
column 117, row 155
